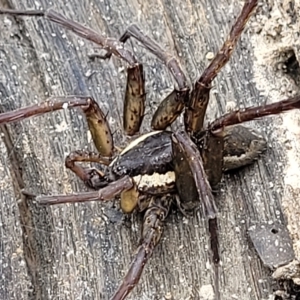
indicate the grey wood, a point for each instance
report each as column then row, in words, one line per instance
column 82, row 251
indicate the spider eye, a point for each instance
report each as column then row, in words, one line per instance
column 121, row 170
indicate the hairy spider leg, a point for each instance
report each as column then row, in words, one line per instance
column 172, row 106
column 211, row 144
column 105, row 194
column 191, row 180
column 252, row 113
column 96, row 119
column 196, row 109
column 155, row 214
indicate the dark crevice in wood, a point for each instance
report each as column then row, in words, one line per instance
column 31, row 254
column 291, row 66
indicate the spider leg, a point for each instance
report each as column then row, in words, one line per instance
column 96, row 119
column 187, row 164
column 109, row 44
column 152, row 230
column 196, row 108
column 211, row 147
column 134, row 103
column 215, row 254
column 171, row 107
column 252, row 113
column 93, row 178
column 107, row 193
column 191, row 180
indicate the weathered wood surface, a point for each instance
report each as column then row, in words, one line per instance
column 82, row 251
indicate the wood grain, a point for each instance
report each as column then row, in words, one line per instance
column 82, row 251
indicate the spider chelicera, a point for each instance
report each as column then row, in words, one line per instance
column 161, row 167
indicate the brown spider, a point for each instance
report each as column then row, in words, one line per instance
column 176, row 152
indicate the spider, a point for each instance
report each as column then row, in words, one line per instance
column 178, row 154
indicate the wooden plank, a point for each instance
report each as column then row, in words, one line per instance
column 83, row 251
